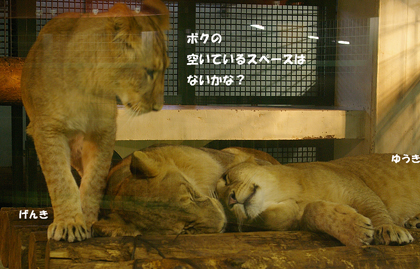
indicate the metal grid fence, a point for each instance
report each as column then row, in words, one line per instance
column 292, row 154
column 279, row 60
column 277, row 45
column 171, row 74
column 4, row 28
column 287, row 30
column 285, row 152
column 270, row 31
column 46, row 10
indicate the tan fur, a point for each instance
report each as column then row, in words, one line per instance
column 253, row 153
column 166, row 190
column 70, row 80
column 359, row 200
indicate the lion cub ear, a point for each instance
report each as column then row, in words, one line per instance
column 142, row 166
column 159, row 9
column 122, row 25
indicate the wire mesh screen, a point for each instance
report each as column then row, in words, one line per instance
column 354, row 58
column 292, row 154
column 4, row 28
column 266, row 54
column 265, row 50
column 171, row 74
column 286, row 151
column 46, row 10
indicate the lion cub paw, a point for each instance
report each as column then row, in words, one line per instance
column 413, row 222
column 354, row 228
column 390, row 234
column 69, row 230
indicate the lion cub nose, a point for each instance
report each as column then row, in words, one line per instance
column 232, row 199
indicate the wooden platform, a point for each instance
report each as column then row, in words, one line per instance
column 216, row 122
column 241, row 123
column 229, row 250
column 15, row 234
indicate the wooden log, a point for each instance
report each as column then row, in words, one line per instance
column 333, row 257
column 4, row 235
column 107, row 252
column 9, row 218
column 10, row 73
column 19, row 244
column 67, row 264
column 36, row 250
column 105, row 249
column 230, row 250
column 184, row 246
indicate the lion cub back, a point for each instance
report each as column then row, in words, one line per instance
column 397, row 184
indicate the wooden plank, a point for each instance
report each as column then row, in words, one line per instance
column 4, row 235
column 105, row 249
column 36, row 251
column 67, row 264
column 118, row 250
column 19, row 244
column 215, row 123
column 184, row 246
column 334, row 257
column 10, row 73
column 230, row 250
column 11, row 223
column 241, row 123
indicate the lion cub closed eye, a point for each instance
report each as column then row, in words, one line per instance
column 358, row 200
column 72, row 75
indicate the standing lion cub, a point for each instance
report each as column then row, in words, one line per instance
column 70, row 80
column 358, row 200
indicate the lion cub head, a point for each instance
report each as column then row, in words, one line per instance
column 247, row 191
column 138, row 46
column 153, row 195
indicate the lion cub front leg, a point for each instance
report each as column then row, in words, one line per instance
column 54, row 155
column 96, row 158
column 340, row 221
column 280, row 216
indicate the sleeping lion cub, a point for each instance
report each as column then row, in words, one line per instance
column 358, row 200
column 70, row 80
column 168, row 189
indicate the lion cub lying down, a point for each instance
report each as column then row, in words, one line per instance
column 168, row 190
column 358, row 200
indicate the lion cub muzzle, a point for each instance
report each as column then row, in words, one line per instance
column 235, row 203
